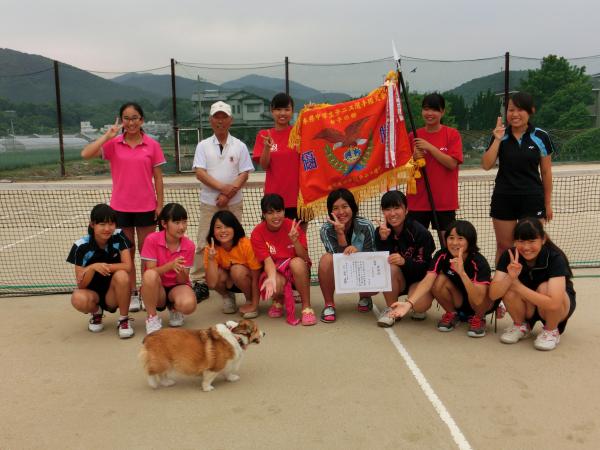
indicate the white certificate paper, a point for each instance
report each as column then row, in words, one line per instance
column 362, row 272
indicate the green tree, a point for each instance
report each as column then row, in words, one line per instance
column 456, row 107
column 561, row 92
column 484, row 111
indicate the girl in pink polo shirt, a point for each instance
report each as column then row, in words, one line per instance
column 135, row 166
column 169, row 256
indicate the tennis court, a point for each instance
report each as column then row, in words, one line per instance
column 345, row 385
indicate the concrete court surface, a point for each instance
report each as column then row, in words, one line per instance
column 342, row 385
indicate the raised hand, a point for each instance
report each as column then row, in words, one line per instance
column 514, row 267
column 457, row 264
column 114, row 129
column 294, row 234
column 384, row 231
column 500, row 129
column 268, row 141
column 337, row 225
column 212, row 253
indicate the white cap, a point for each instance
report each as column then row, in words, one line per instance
column 220, row 106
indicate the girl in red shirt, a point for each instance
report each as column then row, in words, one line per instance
column 281, row 245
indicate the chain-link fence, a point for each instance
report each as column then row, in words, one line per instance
column 40, row 140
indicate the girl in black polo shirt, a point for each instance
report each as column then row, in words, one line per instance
column 458, row 278
column 102, row 264
column 534, row 281
column 523, row 153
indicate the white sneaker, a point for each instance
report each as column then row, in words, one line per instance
column 385, row 320
column 515, row 333
column 229, row 305
column 135, row 303
column 175, row 318
column 547, row 339
column 95, row 324
column 125, row 328
column 153, row 324
column 418, row 315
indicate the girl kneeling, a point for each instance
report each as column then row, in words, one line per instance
column 410, row 245
column 102, row 264
column 281, row 245
column 534, row 281
column 458, row 278
column 169, row 256
column 345, row 233
column 231, row 265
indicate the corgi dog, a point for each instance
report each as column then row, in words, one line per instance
column 210, row 352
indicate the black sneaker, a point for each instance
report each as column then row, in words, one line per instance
column 201, row 291
column 448, row 321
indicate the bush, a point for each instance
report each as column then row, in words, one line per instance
column 583, row 147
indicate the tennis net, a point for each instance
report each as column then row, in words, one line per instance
column 40, row 222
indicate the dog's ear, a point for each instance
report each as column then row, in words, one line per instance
column 231, row 324
column 244, row 327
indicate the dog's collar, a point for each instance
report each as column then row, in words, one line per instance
column 240, row 340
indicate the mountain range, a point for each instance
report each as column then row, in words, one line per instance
column 30, row 79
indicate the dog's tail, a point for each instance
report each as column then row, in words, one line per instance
column 143, row 357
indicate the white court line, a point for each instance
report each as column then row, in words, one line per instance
column 41, row 232
column 457, row 435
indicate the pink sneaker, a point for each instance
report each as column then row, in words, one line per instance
column 276, row 310
column 308, row 317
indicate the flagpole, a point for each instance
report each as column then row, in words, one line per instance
column 423, row 169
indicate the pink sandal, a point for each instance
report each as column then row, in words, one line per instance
column 276, row 310
column 308, row 317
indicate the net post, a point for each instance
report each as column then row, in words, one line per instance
column 506, row 81
column 61, row 144
column 287, row 75
column 175, row 126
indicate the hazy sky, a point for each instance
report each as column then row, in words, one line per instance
column 117, row 36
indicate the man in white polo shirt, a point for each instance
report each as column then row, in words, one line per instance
column 222, row 163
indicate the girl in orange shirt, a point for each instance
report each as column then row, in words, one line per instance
column 231, row 265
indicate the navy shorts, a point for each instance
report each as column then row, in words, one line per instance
column 100, row 284
column 426, row 217
column 515, row 207
column 135, row 219
column 168, row 303
column 562, row 325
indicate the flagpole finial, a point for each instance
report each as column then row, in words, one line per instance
column 391, row 77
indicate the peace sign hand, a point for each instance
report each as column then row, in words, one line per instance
column 384, row 231
column 457, row 264
column 337, row 225
column 113, row 130
column 211, row 249
column 268, row 141
column 500, row 129
column 294, row 234
column 514, row 268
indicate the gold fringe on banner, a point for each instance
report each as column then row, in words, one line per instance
column 391, row 179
